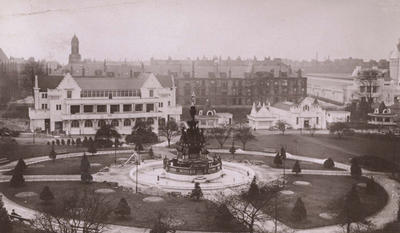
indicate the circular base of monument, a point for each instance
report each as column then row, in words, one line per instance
column 152, row 175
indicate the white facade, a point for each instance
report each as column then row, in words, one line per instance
column 209, row 118
column 308, row 114
column 79, row 106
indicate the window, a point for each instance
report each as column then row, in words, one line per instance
column 75, row 109
column 58, row 107
column 169, row 103
column 317, row 120
column 44, row 106
column 161, row 104
column 114, row 123
column 88, row 123
column 69, row 94
column 150, row 108
column 87, row 108
column 101, row 123
column 127, row 122
column 101, row 108
column 44, row 95
column 139, row 107
column 150, row 121
column 75, row 124
column 114, row 108
column 297, row 120
column 151, row 93
column 127, row 107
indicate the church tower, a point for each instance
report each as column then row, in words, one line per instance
column 74, row 57
column 394, row 65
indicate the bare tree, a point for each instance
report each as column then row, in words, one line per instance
column 244, row 135
column 86, row 213
column 247, row 209
column 282, row 126
column 169, row 130
column 221, row 134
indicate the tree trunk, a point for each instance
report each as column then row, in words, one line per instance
column 348, row 227
column 169, row 142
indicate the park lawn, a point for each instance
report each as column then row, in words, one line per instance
column 71, row 166
column 319, row 146
column 196, row 215
column 325, row 195
column 267, row 160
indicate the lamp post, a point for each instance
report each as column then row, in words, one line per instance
column 115, row 151
column 233, row 149
column 137, row 170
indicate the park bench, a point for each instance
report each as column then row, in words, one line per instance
column 19, row 218
column 4, row 160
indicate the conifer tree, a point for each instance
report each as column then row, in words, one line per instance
column 296, row 167
column 17, row 178
column 123, row 208
column 299, row 211
column 21, row 165
column 46, row 195
column 254, row 190
column 92, row 148
column 355, row 169
column 151, row 153
column 85, row 170
column 53, row 154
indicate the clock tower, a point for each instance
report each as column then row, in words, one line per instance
column 74, row 57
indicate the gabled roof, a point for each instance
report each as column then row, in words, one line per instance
column 110, row 83
column 49, row 82
column 3, row 56
column 165, row 80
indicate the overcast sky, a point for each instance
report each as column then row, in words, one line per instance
column 140, row 29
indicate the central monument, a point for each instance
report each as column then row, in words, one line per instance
column 192, row 155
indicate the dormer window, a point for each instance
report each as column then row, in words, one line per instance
column 200, row 112
column 306, row 108
column 376, row 111
column 386, row 111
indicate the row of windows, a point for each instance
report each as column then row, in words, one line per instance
column 109, row 93
column 114, row 123
column 113, row 108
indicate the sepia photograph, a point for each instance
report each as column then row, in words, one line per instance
column 199, row 116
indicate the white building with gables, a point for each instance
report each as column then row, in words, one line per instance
column 81, row 105
column 309, row 113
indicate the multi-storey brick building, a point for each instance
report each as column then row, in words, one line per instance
column 256, row 87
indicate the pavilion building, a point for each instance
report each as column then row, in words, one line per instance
column 306, row 114
column 81, row 105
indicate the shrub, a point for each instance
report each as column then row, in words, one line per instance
column 355, row 169
column 296, row 167
column 196, row 193
column 46, row 195
column 5, row 221
column 278, row 160
column 329, row 164
column 86, row 177
column 123, row 208
column 299, row 211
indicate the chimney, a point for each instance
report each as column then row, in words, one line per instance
column 36, row 82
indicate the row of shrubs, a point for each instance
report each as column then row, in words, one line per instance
column 85, row 142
